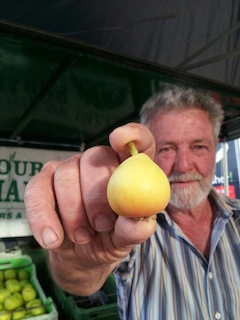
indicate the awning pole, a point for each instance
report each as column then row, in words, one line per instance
column 225, row 168
column 237, row 152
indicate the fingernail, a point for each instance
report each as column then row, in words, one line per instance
column 82, row 236
column 49, row 236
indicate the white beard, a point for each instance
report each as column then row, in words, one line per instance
column 189, row 197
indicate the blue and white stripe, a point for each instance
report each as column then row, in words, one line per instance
column 167, row 278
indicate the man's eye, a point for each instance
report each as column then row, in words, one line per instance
column 199, row 150
column 166, row 149
column 199, row 147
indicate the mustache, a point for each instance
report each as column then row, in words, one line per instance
column 184, row 177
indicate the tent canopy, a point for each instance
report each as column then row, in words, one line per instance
column 71, row 71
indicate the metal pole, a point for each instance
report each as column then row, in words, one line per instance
column 237, row 152
column 225, row 168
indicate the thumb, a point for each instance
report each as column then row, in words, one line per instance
column 129, row 231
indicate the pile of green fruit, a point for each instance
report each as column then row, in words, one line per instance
column 18, row 297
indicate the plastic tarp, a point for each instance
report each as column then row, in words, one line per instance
column 77, row 69
column 200, row 36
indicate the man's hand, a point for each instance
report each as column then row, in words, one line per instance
column 68, row 212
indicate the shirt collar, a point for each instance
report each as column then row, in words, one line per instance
column 225, row 207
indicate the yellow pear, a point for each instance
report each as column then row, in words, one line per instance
column 138, row 187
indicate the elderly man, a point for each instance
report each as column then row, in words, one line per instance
column 183, row 266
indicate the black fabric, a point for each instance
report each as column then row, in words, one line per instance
column 166, row 32
column 9, row 244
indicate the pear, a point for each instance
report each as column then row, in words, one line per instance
column 138, row 187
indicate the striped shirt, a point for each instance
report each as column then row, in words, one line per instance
column 167, row 278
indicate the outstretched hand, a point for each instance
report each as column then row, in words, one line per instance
column 68, row 212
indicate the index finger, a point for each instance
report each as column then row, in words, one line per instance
column 132, row 132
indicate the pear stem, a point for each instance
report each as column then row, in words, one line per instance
column 132, row 148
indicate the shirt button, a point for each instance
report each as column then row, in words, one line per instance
column 210, row 276
column 217, row 315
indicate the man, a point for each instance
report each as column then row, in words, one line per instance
column 185, row 265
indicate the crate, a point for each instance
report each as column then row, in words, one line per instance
column 73, row 307
column 15, row 260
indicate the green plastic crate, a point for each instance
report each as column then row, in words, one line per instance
column 17, row 261
column 108, row 311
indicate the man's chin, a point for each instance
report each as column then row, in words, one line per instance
column 188, row 198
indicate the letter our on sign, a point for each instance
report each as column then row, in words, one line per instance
column 20, row 167
column 35, row 167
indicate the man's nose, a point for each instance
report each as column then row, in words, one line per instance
column 183, row 161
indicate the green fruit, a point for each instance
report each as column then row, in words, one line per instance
column 2, row 275
column 37, row 309
column 2, row 284
column 28, row 293
column 138, row 187
column 23, row 274
column 20, row 296
column 13, row 302
column 28, row 285
column 4, row 315
column 13, row 285
column 4, row 293
column 19, row 313
column 10, row 274
column 34, row 302
column 24, row 282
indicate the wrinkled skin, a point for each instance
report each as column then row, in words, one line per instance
column 186, row 150
column 68, row 212
column 67, row 206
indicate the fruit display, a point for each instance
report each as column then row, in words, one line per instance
column 18, row 297
column 138, row 187
column 21, row 296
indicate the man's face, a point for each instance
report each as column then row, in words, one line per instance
column 185, row 150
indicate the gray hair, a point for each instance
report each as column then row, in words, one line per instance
column 175, row 98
